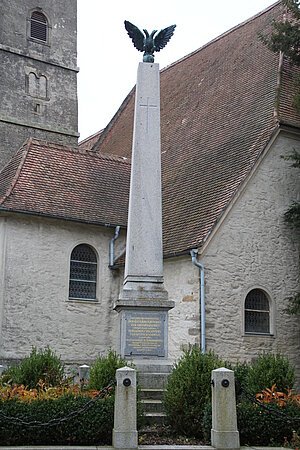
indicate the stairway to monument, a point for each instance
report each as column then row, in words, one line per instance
column 152, row 380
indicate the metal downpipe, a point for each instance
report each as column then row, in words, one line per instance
column 111, row 247
column 197, row 263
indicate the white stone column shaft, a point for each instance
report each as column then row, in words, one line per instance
column 143, row 303
column 144, row 258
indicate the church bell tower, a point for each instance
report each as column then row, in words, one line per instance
column 38, row 82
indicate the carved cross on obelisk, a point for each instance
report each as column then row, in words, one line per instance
column 148, row 107
column 143, row 303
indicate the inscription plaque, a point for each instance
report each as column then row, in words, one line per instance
column 145, row 333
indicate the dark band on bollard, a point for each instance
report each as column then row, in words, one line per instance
column 127, row 382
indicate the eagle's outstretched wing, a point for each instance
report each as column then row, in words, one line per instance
column 136, row 35
column 163, row 37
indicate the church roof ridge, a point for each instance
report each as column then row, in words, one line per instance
column 91, row 136
column 88, row 142
column 222, row 35
column 109, row 126
column 106, row 130
column 217, row 116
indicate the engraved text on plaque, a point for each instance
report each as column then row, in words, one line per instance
column 145, row 333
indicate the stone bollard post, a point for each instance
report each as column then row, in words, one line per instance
column 125, row 433
column 84, row 375
column 224, row 432
column 84, row 372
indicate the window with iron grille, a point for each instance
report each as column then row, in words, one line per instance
column 39, row 26
column 257, row 312
column 83, row 273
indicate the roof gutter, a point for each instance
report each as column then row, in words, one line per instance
column 197, row 263
column 49, row 216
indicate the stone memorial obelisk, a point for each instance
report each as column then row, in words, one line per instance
column 143, row 304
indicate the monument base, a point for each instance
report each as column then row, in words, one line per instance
column 143, row 325
column 123, row 439
column 225, row 439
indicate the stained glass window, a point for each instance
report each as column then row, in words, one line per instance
column 83, row 273
column 257, row 312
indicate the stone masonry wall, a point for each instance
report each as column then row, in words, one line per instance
column 19, row 134
column 182, row 284
column 253, row 248
column 62, row 17
column 38, row 87
column 34, row 305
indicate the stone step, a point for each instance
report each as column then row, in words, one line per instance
column 152, row 406
column 147, row 380
column 153, row 367
column 152, row 418
column 153, row 394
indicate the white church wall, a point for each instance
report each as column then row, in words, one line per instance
column 255, row 248
column 182, row 283
column 34, row 305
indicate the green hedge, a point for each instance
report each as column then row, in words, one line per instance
column 266, row 425
column 268, row 370
column 188, row 397
column 189, row 390
column 93, row 427
column 103, row 370
column 41, row 364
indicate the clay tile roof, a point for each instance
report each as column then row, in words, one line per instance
column 286, row 112
column 218, row 113
column 220, row 106
column 89, row 142
column 57, row 181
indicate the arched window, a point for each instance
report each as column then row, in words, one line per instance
column 39, row 26
column 257, row 312
column 83, row 273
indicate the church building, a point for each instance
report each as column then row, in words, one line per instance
column 230, row 259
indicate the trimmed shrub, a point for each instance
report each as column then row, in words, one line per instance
column 207, row 422
column 268, row 424
column 103, row 371
column 275, row 422
column 91, row 427
column 188, row 398
column 189, row 390
column 241, row 370
column 268, row 370
column 39, row 365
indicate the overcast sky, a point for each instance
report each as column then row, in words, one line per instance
column 106, row 56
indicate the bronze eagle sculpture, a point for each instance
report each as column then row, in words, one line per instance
column 149, row 43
